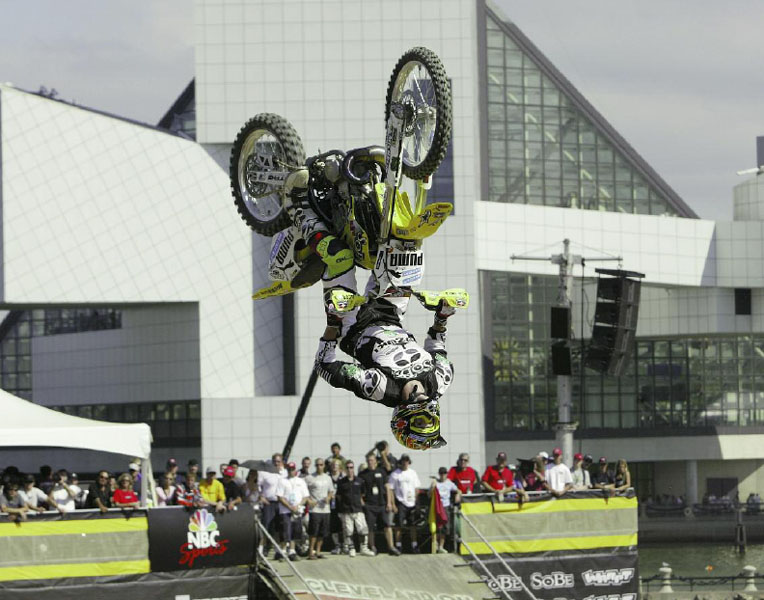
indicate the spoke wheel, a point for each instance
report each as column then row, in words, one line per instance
column 265, row 151
column 419, row 84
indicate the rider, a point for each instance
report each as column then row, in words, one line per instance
column 395, row 370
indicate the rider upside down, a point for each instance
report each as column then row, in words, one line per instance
column 393, row 369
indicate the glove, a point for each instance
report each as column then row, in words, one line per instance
column 442, row 313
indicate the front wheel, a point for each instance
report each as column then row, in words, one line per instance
column 420, row 84
column 266, row 150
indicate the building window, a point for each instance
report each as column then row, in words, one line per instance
column 743, row 301
column 543, row 151
column 671, row 383
column 173, row 424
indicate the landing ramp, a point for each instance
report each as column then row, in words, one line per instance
column 383, row 577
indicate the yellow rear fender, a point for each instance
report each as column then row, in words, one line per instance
column 345, row 301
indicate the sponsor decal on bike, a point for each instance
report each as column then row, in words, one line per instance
column 202, row 539
column 608, row 577
column 551, row 581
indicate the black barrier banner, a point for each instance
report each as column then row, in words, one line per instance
column 197, row 584
column 182, row 539
column 606, row 576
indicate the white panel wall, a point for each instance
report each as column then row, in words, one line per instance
column 324, row 66
column 668, row 251
column 96, row 209
column 154, row 357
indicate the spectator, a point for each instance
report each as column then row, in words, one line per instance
column 498, row 478
column 404, row 482
column 46, row 479
column 350, row 507
column 445, row 487
column 268, row 483
column 125, row 496
column 166, row 491
column 11, row 502
column 233, row 495
column 336, row 449
column 278, row 462
column 250, row 492
column 193, row 467
column 171, row 469
column 321, row 490
column 463, row 475
column 622, row 478
column 305, row 467
column 61, row 496
column 212, row 490
column 79, row 494
column 293, row 496
column 99, row 493
column 188, row 494
column 237, row 480
column 558, row 476
column 581, row 478
column 335, row 525
column 134, row 469
column 33, row 497
column 384, row 458
column 603, row 479
column 535, row 481
column 378, row 503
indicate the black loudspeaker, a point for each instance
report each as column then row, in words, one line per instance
column 615, row 321
column 561, row 359
column 560, row 322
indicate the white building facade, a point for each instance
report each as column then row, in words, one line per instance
column 153, row 229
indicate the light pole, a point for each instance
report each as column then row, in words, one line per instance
column 565, row 425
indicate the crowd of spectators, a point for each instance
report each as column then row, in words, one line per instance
column 328, row 501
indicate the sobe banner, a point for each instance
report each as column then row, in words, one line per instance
column 180, row 539
column 584, row 577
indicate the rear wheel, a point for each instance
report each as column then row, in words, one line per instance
column 420, row 84
column 266, row 150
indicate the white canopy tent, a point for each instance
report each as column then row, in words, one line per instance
column 27, row 424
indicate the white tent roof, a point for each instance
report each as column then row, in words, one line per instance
column 27, row 424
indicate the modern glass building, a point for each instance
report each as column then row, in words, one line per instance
column 532, row 162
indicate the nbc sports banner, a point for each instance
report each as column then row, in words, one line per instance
column 182, row 539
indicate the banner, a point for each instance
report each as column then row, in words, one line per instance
column 181, row 539
column 606, row 576
column 197, row 584
column 77, row 544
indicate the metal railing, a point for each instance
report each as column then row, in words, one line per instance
column 272, row 569
column 494, row 582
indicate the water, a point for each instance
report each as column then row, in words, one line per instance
column 692, row 560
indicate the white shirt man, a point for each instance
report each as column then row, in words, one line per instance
column 558, row 475
column 404, row 483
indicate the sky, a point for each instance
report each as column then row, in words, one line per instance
column 682, row 81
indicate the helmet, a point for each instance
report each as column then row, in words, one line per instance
column 417, row 426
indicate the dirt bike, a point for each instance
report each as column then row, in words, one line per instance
column 356, row 194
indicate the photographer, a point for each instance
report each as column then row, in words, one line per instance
column 62, row 495
column 386, row 460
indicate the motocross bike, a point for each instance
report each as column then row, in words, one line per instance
column 356, row 194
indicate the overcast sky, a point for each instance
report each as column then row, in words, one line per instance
column 682, row 81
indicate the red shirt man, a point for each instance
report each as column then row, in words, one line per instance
column 463, row 475
column 498, row 477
